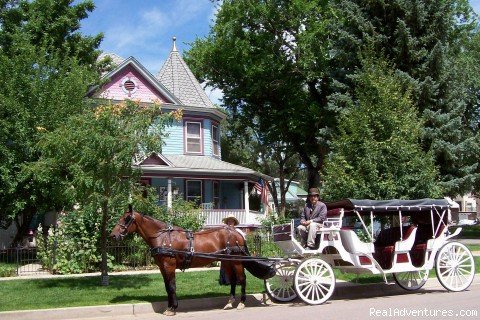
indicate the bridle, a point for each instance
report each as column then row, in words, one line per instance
column 125, row 226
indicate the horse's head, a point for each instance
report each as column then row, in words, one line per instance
column 125, row 225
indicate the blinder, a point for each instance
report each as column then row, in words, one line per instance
column 128, row 222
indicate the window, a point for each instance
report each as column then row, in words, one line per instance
column 194, row 138
column 216, row 194
column 215, row 140
column 194, row 191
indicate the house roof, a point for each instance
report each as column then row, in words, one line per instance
column 116, row 59
column 198, row 165
column 145, row 74
column 179, row 79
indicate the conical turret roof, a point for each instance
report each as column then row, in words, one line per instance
column 177, row 77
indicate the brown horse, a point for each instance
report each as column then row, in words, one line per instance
column 175, row 248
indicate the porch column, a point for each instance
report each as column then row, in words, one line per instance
column 169, row 194
column 246, row 196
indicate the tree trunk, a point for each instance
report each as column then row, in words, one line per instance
column 103, row 246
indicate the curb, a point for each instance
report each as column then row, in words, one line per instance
column 343, row 291
column 125, row 309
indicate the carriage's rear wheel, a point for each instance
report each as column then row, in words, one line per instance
column 280, row 286
column 455, row 266
column 314, row 281
column 411, row 280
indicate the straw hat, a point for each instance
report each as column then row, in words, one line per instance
column 232, row 217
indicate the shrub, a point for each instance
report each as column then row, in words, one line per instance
column 73, row 246
column 7, row 270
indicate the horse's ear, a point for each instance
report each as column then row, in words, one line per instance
column 130, row 209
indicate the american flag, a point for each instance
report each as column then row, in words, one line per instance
column 262, row 188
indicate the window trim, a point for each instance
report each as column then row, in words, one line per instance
column 186, row 188
column 216, row 205
column 185, row 144
column 215, row 125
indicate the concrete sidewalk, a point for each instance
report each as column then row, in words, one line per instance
column 343, row 290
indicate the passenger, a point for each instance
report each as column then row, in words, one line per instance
column 311, row 219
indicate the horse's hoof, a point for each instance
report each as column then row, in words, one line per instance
column 169, row 312
column 228, row 306
column 241, row 306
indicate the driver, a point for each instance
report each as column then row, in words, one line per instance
column 313, row 214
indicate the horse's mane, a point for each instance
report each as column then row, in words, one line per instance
column 159, row 223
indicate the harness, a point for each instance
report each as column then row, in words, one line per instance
column 188, row 254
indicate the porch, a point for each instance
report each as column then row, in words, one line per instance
column 214, row 217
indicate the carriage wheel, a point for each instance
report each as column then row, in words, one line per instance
column 314, row 281
column 411, row 280
column 280, row 286
column 455, row 266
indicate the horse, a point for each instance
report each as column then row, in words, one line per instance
column 175, row 248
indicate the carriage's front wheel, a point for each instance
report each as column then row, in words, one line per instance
column 280, row 287
column 411, row 280
column 314, row 281
column 455, row 266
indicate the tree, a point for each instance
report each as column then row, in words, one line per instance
column 377, row 154
column 91, row 154
column 270, row 59
column 247, row 146
column 289, row 65
column 46, row 67
column 424, row 41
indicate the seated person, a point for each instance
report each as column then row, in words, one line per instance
column 313, row 214
column 231, row 221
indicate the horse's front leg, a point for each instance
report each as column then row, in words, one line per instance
column 230, row 275
column 242, row 279
column 167, row 267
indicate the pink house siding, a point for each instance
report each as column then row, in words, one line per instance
column 144, row 92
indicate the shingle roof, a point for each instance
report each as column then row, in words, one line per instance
column 203, row 165
column 116, row 59
column 177, row 77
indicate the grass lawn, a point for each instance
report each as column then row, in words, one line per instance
column 86, row 291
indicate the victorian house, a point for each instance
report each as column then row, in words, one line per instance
column 190, row 163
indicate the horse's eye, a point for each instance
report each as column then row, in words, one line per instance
column 127, row 219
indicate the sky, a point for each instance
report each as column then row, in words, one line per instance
column 144, row 28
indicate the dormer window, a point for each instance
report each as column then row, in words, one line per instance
column 193, row 137
column 215, row 140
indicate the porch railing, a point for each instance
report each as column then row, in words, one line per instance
column 215, row 216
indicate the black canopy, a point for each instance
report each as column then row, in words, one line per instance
column 387, row 206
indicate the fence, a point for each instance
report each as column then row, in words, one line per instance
column 21, row 261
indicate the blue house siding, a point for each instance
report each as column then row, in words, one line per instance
column 174, row 140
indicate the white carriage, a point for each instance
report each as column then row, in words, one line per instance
column 405, row 238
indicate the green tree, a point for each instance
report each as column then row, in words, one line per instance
column 424, row 41
column 377, row 154
column 248, row 147
column 46, row 67
column 289, row 64
column 270, row 59
column 92, row 154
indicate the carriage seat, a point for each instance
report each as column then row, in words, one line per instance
column 388, row 242
column 420, row 246
column 353, row 244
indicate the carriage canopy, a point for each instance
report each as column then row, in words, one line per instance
column 412, row 207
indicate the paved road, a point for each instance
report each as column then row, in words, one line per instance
column 432, row 302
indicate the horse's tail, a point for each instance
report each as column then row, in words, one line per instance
column 259, row 269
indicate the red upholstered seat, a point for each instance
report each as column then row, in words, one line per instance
column 385, row 244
